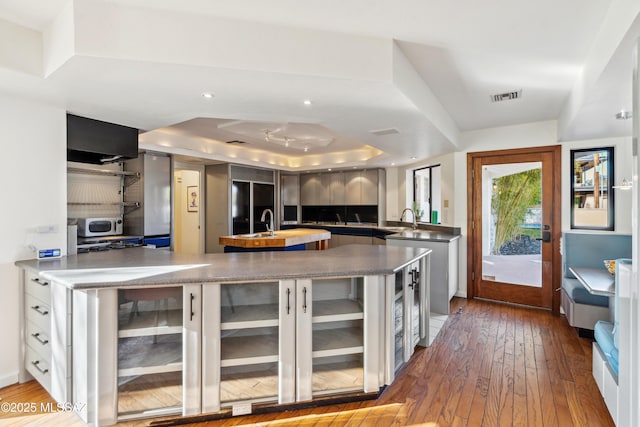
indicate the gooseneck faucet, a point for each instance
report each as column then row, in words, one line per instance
column 415, row 224
column 270, row 225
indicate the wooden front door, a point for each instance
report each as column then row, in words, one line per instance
column 514, row 226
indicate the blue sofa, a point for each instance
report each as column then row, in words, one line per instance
column 579, row 249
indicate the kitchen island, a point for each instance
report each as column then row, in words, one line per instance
column 146, row 332
column 286, row 240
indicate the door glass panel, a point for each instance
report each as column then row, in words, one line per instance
column 398, row 325
column 149, row 350
column 263, row 197
column 338, row 342
column 414, row 279
column 240, row 207
column 511, row 223
column 249, row 342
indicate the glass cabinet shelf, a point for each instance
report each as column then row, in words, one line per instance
column 151, row 323
column 249, row 316
column 336, row 342
column 335, row 310
column 248, row 350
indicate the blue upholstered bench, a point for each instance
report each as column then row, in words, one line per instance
column 605, row 348
column 584, row 310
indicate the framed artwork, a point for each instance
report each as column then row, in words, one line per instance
column 193, row 198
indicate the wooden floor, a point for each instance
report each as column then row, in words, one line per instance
column 491, row 365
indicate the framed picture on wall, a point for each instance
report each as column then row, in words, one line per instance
column 193, row 198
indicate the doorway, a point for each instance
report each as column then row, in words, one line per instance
column 514, row 226
column 188, row 210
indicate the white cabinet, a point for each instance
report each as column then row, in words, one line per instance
column 47, row 334
column 290, row 340
column 137, row 349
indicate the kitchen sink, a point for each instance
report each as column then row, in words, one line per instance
column 253, row 235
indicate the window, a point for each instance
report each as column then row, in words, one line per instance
column 427, row 194
column 591, row 193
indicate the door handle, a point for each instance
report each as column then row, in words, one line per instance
column 304, row 303
column 191, row 306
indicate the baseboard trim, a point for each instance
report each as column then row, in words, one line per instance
column 8, row 380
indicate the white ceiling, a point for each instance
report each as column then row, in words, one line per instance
column 423, row 67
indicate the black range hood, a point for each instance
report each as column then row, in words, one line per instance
column 98, row 142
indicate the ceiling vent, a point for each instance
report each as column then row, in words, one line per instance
column 382, row 132
column 517, row 94
column 236, row 141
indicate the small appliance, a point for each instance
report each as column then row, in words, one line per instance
column 96, row 227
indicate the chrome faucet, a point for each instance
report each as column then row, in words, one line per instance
column 415, row 225
column 270, row 225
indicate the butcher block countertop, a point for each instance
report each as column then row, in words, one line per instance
column 280, row 239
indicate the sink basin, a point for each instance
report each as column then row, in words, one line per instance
column 107, row 275
column 253, row 235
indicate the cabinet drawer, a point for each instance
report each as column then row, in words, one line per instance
column 39, row 313
column 39, row 340
column 39, row 367
column 37, row 287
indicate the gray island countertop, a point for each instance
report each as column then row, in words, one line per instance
column 423, row 235
column 136, row 267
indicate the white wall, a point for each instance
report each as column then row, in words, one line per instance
column 33, row 174
column 623, row 168
column 454, row 172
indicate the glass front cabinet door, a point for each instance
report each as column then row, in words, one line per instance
column 408, row 309
column 290, row 340
column 136, row 352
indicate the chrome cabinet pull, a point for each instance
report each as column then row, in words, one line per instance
column 288, row 300
column 37, row 280
column 40, row 340
column 39, row 310
column 304, row 303
column 36, row 364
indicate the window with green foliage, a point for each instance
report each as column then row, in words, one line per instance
column 514, row 198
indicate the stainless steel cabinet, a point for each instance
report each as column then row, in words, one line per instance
column 444, row 275
column 408, row 309
column 315, row 189
column 361, row 187
column 339, row 188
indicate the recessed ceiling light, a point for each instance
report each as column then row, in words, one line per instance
column 329, row 169
column 207, row 95
column 413, row 157
column 306, row 149
column 623, row 115
column 307, row 102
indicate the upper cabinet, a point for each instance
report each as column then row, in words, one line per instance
column 361, row 187
column 339, row 188
column 314, row 189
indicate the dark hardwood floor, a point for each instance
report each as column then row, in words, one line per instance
column 491, row 365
